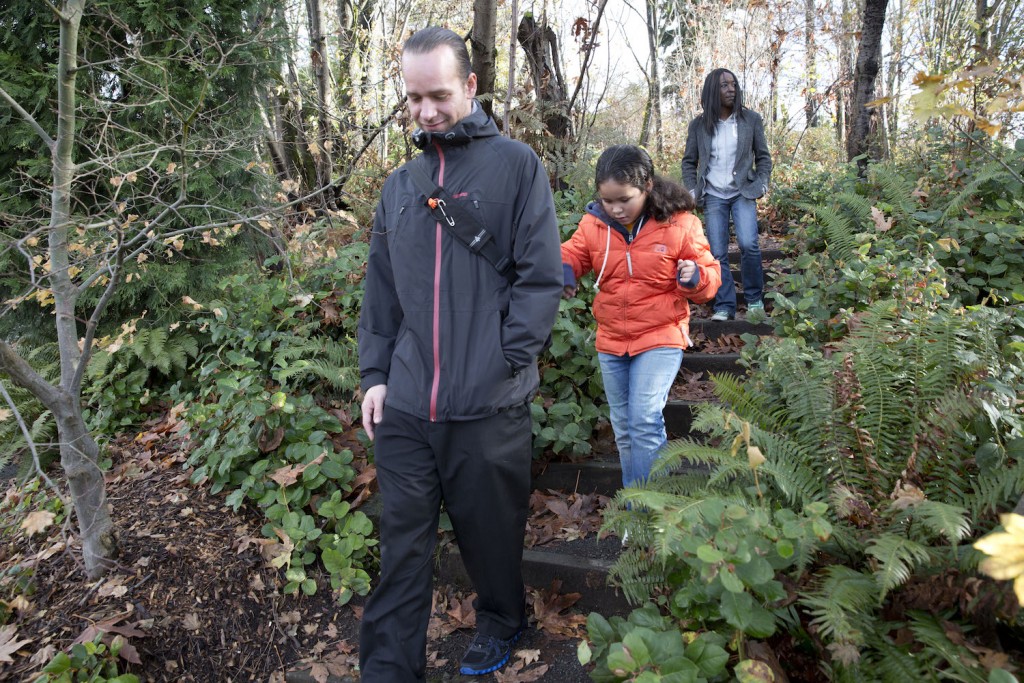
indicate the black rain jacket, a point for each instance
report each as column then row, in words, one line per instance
column 451, row 337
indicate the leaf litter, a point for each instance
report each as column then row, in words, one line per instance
column 194, row 598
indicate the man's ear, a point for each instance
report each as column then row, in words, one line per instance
column 471, row 85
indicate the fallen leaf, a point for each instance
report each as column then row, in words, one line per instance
column 8, row 645
column 190, row 621
column 288, row 475
column 881, row 222
column 319, row 672
column 38, row 521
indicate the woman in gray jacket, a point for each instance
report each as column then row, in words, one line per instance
column 727, row 166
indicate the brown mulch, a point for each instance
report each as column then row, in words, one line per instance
column 195, row 600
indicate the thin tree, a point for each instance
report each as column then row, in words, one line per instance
column 115, row 208
column 482, row 42
column 869, row 56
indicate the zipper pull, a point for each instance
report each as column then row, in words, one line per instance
column 629, row 264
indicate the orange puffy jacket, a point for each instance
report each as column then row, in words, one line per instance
column 640, row 304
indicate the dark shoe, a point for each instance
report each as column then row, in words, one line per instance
column 487, row 654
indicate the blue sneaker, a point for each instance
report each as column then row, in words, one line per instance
column 487, row 654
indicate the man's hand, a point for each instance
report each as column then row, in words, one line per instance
column 373, row 408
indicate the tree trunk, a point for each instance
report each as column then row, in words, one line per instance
column 321, row 150
column 654, row 82
column 869, row 55
column 79, row 453
column 541, row 46
column 811, row 51
column 843, row 92
column 355, row 29
column 485, row 20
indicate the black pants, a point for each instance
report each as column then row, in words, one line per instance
column 481, row 470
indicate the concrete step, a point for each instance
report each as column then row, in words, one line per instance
column 767, row 255
column 582, row 567
column 713, row 329
column 712, row 363
column 599, row 474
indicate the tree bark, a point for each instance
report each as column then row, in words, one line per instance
column 541, row 46
column 321, row 151
column 811, row 51
column 869, row 55
column 482, row 41
column 652, row 115
column 79, row 453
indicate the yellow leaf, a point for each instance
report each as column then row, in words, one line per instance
column 6, row 414
column 171, row 166
column 32, row 241
column 37, row 522
column 142, row 257
column 754, row 456
column 131, row 177
column 196, row 306
column 116, row 181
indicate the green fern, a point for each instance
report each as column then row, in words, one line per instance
column 943, row 519
column 840, row 602
column 897, row 557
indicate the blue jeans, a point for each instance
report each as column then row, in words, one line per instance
column 637, row 389
column 744, row 219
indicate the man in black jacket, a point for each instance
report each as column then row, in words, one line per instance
column 447, row 353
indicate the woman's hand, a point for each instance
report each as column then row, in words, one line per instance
column 686, row 269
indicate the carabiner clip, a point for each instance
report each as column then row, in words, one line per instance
column 435, row 203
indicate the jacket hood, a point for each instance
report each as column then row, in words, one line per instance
column 594, row 209
column 477, row 125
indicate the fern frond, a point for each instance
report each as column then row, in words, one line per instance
column 897, row 557
column 841, row 603
column 942, row 519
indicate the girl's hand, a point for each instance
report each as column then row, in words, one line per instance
column 686, row 269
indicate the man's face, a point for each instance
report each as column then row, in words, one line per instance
column 438, row 97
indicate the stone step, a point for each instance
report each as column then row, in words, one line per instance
column 767, row 255
column 679, row 418
column 582, row 567
column 713, row 329
column 712, row 363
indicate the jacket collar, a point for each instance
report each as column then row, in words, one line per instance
column 476, row 125
column 595, row 210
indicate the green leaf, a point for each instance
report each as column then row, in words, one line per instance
column 710, row 554
column 583, row 653
column 730, row 581
column 709, row 658
column 744, row 613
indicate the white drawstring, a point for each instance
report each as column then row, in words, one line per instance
column 607, row 248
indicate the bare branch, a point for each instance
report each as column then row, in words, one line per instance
column 26, row 376
column 94, row 321
column 29, row 119
column 30, row 443
column 589, row 51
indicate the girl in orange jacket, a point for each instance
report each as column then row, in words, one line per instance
column 651, row 258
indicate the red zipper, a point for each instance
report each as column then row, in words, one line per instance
column 437, row 298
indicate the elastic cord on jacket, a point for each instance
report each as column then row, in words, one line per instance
column 607, row 248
